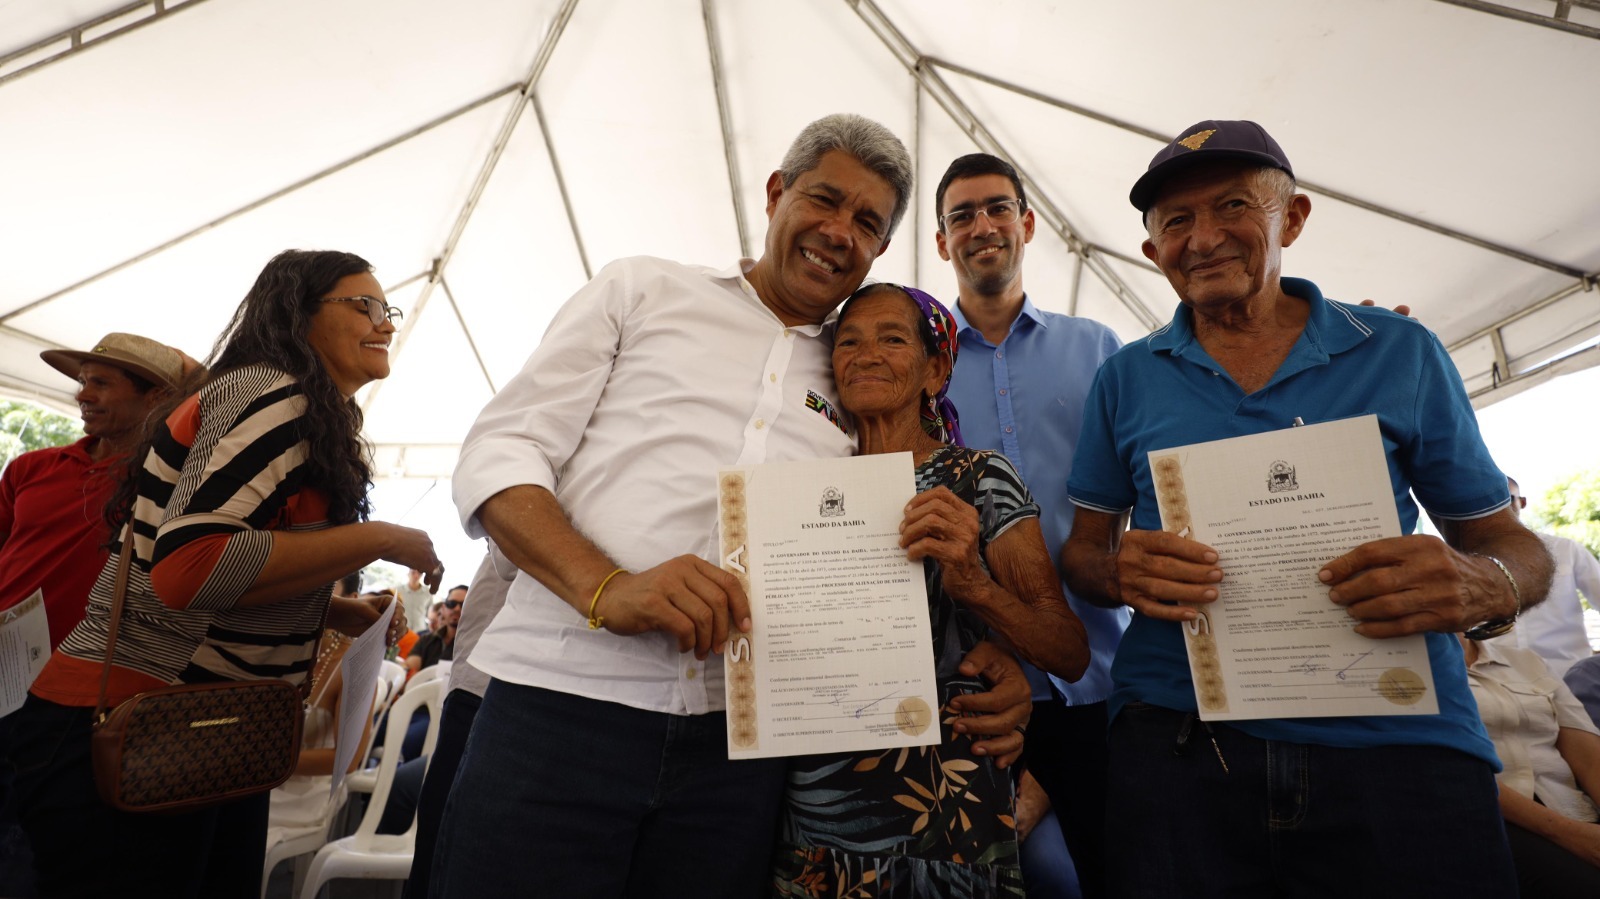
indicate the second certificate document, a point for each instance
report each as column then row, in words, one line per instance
column 839, row 657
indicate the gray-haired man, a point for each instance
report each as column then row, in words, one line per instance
column 597, row 763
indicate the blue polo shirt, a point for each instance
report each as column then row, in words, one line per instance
column 1165, row 391
column 1025, row 398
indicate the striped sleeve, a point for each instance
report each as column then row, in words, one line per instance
column 244, row 459
column 1003, row 499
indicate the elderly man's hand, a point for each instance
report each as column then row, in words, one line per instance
column 691, row 599
column 1001, row 714
column 1407, row 585
column 1155, row 569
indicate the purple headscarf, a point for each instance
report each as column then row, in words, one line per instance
column 938, row 412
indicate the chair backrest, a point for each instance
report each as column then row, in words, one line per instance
column 430, row 694
column 395, row 674
column 429, row 673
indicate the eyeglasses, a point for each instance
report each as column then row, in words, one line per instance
column 376, row 309
column 452, row 603
column 1000, row 213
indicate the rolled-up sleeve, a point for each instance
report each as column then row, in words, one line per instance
column 529, row 430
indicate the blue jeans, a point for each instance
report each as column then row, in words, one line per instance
column 558, row 795
column 1291, row 820
column 455, row 724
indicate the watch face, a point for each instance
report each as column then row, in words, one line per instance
column 1490, row 629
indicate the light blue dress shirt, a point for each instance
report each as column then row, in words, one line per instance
column 1025, row 398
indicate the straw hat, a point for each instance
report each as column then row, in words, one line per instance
column 155, row 362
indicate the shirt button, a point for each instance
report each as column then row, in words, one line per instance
column 999, row 354
column 761, row 423
column 787, row 332
column 773, row 377
column 690, row 674
column 1002, row 391
column 1008, row 429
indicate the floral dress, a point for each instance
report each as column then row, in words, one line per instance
column 927, row 821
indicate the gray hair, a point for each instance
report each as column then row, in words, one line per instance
column 873, row 145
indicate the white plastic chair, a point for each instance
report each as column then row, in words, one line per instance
column 368, row 854
column 292, row 842
column 395, row 674
column 363, row 780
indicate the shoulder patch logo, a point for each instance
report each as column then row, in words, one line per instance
column 1198, row 139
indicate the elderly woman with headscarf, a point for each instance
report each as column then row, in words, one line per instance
column 935, row 820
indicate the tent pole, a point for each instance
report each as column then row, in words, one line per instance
column 1329, row 192
column 490, row 161
column 725, row 119
column 257, row 204
column 1559, row 21
column 450, row 296
column 1053, row 217
column 153, row 11
column 561, row 185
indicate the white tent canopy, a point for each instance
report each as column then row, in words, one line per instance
column 488, row 155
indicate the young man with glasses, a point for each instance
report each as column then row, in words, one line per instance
column 1020, row 384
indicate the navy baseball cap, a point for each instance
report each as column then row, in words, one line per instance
column 1210, row 139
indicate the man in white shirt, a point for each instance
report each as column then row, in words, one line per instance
column 1554, row 629
column 597, row 764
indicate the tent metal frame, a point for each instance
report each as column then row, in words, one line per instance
column 926, row 73
column 1559, row 19
column 83, row 35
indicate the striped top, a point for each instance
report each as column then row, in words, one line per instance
column 225, row 471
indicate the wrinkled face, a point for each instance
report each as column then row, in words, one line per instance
column 353, row 350
column 1218, row 232
column 111, row 406
column 987, row 257
column 823, row 233
column 879, row 361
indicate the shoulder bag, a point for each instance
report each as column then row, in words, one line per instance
column 186, row 747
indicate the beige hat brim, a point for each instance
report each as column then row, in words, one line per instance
column 69, row 362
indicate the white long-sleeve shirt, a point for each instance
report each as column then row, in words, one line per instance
column 653, row 376
column 1554, row 629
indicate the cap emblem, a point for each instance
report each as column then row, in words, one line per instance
column 100, row 349
column 1198, row 139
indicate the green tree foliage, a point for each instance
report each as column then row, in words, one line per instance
column 1571, row 509
column 25, row 427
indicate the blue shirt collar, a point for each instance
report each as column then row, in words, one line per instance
column 1331, row 327
column 1029, row 311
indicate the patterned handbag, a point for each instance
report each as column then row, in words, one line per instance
column 187, row 747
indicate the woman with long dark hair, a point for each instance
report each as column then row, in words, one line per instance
column 247, row 500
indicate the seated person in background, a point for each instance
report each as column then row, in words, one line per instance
column 1554, row 629
column 1551, row 753
column 438, row 643
column 1583, row 679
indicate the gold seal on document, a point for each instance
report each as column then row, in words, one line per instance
column 913, row 716
column 1401, row 686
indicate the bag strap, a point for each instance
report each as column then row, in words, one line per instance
column 119, row 592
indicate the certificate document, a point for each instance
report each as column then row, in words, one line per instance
column 1277, row 507
column 840, row 653
column 24, row 648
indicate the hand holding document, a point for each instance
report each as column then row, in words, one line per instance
column 839, row 657
column 1276, row 507
column 24, row 648
column 359, row 668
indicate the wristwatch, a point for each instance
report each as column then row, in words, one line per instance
column 1496, row 627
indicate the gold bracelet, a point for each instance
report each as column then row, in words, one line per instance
column 594, row 622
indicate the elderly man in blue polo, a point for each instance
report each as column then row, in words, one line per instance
column 1392, row 806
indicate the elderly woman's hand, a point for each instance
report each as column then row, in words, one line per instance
column 939, row 526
